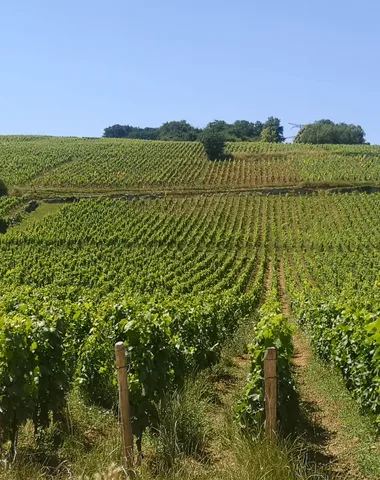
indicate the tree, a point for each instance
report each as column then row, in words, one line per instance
column 328, row 132
column 127, row 131
column 178, row 131
column 275, row 128
column 268, row 135
column 147, row 133
column 240, row 130
column 117, row 131
column 258, row 128
column 213, row 142
column 325, row 121
column 244, row 130
column 218, row 126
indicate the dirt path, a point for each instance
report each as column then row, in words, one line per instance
column 268, row 278
column 33, row 191
column 335, row 433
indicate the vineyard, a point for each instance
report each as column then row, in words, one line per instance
column 174, row 277
column 72, row 165
column 9, row 211
column 177, row 277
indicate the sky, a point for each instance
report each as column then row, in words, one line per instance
column 72, row 68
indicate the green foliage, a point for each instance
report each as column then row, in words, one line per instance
column 327, row 132
column 349, row 339
column 213, row 143
column 3, row 189
column 127, row 131
column 241, row 130
column 244, row 130
column 178, row 131
column 9, row 211
column 164, row 342
column 174, row 278
column 272, row 330
column 105, row 165
column 268, row 135
column 173, row 312
column 118, row 131
column 33, row 375
column 42, row 353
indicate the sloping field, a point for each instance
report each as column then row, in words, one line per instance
column 199, row 246
column 175, row 277
column 83, row 165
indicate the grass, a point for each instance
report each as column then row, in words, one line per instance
column 44, row 209
column 91, row 443
column 338, row 433
column 215, row 447
column 240, row 458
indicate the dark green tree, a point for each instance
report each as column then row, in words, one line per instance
column 245, row 130
column 218, row 126
column 214, row 143
column 127, row 131
column 328, row 132
column 241, row 130
column 147, row 133
column 178, row 131
column 117, row 131
column 325, row 121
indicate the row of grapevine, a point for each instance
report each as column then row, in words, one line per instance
column 73, row 164
column 173, row 278
column 272, row 329
column 9, row 207
column 332, row 262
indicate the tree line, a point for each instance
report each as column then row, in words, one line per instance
column 241, row 130
column 320, row 132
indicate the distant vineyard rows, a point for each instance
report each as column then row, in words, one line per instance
column 105, row 164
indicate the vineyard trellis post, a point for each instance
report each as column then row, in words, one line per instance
column 125, row 416
column 270, row 385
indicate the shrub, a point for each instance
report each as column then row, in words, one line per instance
column 213, row 142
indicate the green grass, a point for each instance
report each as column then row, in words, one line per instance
column 336, row 421
column 91, row 443
column 43, row 210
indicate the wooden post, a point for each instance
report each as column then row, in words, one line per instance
column 125, row 417
column 270, row 380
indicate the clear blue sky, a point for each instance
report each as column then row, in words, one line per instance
column 75, row 67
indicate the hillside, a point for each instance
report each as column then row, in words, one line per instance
column 201, row 275
column 50, row 166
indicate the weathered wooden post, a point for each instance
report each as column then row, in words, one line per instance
column 125, row 417
column 270, row 381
